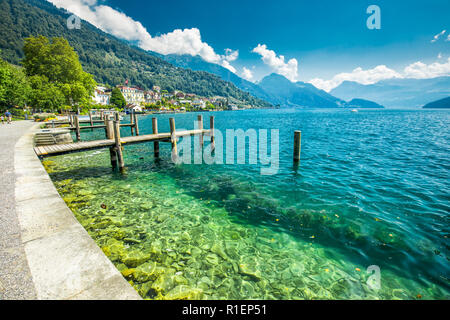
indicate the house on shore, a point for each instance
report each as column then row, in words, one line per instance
column 102, row 95
column 133, row 108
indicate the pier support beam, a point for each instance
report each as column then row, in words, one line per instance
column 132, row 121
column 155, row 131
column 91, row 120
column 200, row 126
column 211, row 126
column 77, row 128
column 173, row 139
column 118, row 146
column 110, row 135
column 297, row 145
column 136, row 123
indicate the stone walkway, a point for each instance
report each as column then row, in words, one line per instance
column 45, row 253
column 15, row 277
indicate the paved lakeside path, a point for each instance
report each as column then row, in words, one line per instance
column 45, row 253
column 15, row 276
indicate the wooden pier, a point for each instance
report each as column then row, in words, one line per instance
column 115, row 142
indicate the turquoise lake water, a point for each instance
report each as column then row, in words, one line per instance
column 372, row 188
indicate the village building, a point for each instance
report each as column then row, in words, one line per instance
column 132, row 95
column 199, row 103
column 133, row 108
column 102, row 95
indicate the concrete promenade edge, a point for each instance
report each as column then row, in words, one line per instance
column 64, row 261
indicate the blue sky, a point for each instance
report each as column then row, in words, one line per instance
column 327, row 39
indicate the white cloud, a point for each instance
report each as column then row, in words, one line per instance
column 416, row 70
column 369, row 76
column 439, row 55
column 228, row 66
column 448, row 38
column 231, row 55
column 277, row 63
column 247, row 74
column 436, row 37
column 420, row 70
column 187, row 41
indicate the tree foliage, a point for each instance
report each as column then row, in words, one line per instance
column 14, row 86
column 56, row 62
column 117, row 98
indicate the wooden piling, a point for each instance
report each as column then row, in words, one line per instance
column 77, row 128
column 109, row 127
column 136, row 124
column 132, row 121
column 118, row 145
column 91, row 120
column 200, row 126
column 155, row 131
column 211, row 126
column 173, row 138
column 297, row 145
column 110, row 135
column 106, row 128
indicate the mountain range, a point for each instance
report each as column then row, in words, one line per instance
column 394, row 93
column 274, row 88
column 439, row 104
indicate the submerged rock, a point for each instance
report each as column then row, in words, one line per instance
column 183, row 292
column 135, row 258
column 212, row 259
column 145, row 272
column 249, row 270
column 165, row 282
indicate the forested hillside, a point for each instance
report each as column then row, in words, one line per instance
column 110, row 60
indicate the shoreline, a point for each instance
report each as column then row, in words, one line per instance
column 64, row 261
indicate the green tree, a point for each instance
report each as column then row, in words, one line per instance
column 57, row 63
column 14, row 86
column 117, row 98
column 45, row 95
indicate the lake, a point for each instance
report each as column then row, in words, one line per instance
column 372, row 190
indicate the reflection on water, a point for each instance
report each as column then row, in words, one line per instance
column 372, row 189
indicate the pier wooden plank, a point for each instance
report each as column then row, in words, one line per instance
column 97, row 144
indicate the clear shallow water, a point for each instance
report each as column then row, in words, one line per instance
column 372, row 188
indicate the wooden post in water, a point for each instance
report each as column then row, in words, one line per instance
column 110, row 135
column 297, row 145
column 90, row 119
column 136, row 124
column 106, row 127
column 70, row 119
column 200, row 126
column 211, row 126
column 77, row 128
column 109, row 128
column 155, row 131
column 173, row 139
column 102, row 117
column 53, row 123
column 118, row 145
column 132, row 121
